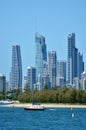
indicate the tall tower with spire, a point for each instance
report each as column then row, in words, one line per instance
column 40, row 57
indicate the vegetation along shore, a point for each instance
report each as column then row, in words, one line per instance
column 54, row 97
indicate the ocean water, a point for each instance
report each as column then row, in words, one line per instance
column 12, row 118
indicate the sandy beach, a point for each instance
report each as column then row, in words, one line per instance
column 48, row 105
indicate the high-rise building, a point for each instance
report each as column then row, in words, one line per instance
column 45, row 77
column 71, row 58
column 25, row 82
column 41, row 56
column 2, row 83
column 61, row 73
column 61, row 69
column 52, row 61
column 60, row 82
column 7, row 86
column 76, row 83
column 31, row 77
column 80, row 67
column 45, row 68
column 83, row 81
column 16, row 70
column 75, row 60
column 46, row 81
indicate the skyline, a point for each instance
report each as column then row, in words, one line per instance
column 53, row 19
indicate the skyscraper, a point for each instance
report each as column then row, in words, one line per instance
column 71, row 58
column 16, row 70
column 31, row 77
column 75, row 60
column 52, row 59
column 41, row 55
column 80, row 67
column 61, row 69
column 61, row 73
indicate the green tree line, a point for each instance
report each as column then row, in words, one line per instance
column 56, row 95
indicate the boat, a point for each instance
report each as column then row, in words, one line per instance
column 6, row 102
column 35, row 107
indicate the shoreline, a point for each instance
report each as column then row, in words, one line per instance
column 47, row 105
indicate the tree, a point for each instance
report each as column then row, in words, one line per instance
column 57, row 97
column 79, row 96
column 73, row 96
column 45, row 87
column 64, row 95
column 84, row 97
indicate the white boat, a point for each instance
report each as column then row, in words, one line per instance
column 6, row 102
column 34, row 107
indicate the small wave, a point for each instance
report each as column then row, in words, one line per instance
column 52, row 109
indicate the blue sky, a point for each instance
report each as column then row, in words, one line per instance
column 54, row 19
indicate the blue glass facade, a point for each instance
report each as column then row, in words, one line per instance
column 75, row 60
column 16, row 72
column 52, row 62
column 61, row 69
column 41, row 54
column 71, row 50
column 80, row 67
column 31, row 77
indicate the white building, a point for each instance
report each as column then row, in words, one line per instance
column 83, row 80
column 76, row 83
column 60, row 82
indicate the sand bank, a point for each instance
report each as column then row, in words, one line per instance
column 48, row 105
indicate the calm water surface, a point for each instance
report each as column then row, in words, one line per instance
column 49, row 119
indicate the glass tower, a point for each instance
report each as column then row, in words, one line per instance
column 31, row 77
column 41, row 55
column 16, row 70
column 61, row 69
column 52, row 59
column 71, row 48
column 75, row 60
